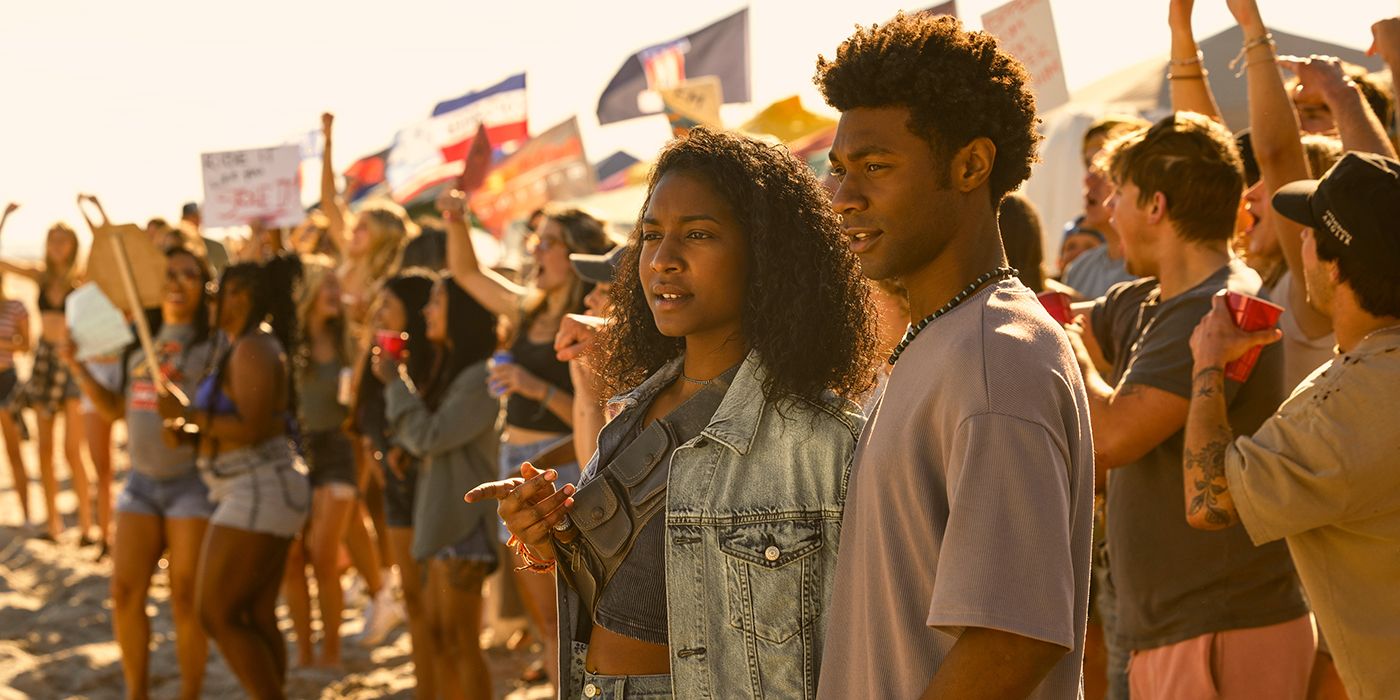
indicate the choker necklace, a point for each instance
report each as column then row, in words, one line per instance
column 707, row 382
column 914, row 329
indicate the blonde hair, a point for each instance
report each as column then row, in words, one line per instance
column 316, row 271
column 70, row 265
column 389, row 229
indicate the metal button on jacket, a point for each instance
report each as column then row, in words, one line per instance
column 772, row 553
column 590, row 691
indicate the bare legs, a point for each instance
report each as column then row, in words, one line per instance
column 18, row 474
column 540, row 603
column 237, row 585
column 77, row 465
column 453, row 597
column 330, row 517
column 98, row 432
column 419, row 631
column 140, row 539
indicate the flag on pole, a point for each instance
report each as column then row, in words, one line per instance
column 430, row 152
column 364, row 175
column 721, row 50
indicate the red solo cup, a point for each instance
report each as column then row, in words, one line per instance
column 1057, row 303
column 1250, row 314
column 391, row 344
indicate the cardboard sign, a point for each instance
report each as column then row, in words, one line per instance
column 693, row 103
column 147, row 264
column 241, row 187
column 1026, row 30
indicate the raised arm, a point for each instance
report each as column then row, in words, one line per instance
column 497, row 294
column 1386, row 42
column 1279, row 151
column 331, row 203
column 27, row 270
column 1187, row 75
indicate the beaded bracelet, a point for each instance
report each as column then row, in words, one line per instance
column 1256, row 42
column 1194, row 76
column 532, row 563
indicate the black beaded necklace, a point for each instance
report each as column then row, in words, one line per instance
column 998, row 274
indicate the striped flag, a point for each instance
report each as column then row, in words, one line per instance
column 430, row 152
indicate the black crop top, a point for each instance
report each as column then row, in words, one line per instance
column 540, row 360
column 45, row 306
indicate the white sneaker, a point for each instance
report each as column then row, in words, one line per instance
column 382, row 615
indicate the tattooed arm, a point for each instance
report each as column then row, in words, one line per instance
column 1128, row 420
column 1215, row 342
column 1208, row 435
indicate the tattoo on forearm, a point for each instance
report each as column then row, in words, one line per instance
column 1207, row 381
column 1206, row 469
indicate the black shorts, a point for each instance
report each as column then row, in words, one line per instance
column 398, row 494
column 330, row 458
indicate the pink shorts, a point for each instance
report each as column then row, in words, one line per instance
column 1268, row 663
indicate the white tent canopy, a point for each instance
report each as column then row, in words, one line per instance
column 1056, row 182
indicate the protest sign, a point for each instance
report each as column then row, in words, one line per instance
column 258, row 184
column 693, row 103
column 104, row 269
column 549, row 167
column 97, row 327
column 1026, row 30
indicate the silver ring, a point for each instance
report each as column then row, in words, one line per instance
column 563, row 525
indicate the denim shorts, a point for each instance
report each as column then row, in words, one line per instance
column 330, row 458
column 593, row 686
column 180, row 497
column 513, row 455
column 478, row 555
column 260, row 488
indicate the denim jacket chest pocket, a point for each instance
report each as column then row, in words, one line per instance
column 771, row 578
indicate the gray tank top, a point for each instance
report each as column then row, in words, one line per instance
column 625, row 586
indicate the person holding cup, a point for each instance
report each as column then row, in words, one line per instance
column 1320, row 473
column 449, row 422
column 1178, row 186
column 538, row 390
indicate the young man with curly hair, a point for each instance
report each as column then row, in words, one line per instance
column 1202, row 615
column 964, row 563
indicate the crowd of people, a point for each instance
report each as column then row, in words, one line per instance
column 851, row 437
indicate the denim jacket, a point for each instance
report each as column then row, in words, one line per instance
column 753, row 519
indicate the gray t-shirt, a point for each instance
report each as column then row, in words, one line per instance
column 970, row 505
column 1093, row 272
column 183, row 365
column 1175, row 582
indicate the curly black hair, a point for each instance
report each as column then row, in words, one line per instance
column 957, row 85
column 806, row 306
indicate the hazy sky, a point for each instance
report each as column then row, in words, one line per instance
column 120, row 98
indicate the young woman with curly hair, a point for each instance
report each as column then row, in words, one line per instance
column 702, row 540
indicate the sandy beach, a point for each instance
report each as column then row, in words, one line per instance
column 55, row 614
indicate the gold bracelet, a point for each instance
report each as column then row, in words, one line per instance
column 1197, row 76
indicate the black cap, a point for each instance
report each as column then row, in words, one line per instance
column 189, row 209
column 597, row 269
column 1356, row 203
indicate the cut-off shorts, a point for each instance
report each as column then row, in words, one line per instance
column 184, row 496
column 262, row 488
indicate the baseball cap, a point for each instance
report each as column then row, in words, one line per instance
column 1356, row 203
column 1077, row 226
column 598, row 269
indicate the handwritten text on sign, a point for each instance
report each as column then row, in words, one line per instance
column 1026, row 30
column 259, row 184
